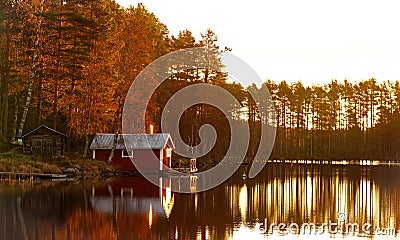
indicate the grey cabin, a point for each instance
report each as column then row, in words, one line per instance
column 44, row 141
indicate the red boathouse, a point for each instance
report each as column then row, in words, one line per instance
column 148, row 151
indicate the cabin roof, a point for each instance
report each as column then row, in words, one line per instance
column 45, row 127
column 132, row 141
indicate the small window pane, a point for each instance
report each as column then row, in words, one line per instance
column 127, row 153
column 169, row 152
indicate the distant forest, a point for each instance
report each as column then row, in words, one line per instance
column 68, row 64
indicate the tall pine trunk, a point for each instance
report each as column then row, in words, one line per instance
column 116, row 128
column 118, row 117
column 88, row 118
column 33, row 72
column 15, row 121
column 5, row 76
column 58, row 70
column 112, row 153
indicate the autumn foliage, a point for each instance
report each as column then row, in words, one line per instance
column 68, row 64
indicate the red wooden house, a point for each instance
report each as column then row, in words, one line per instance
column 151, row 152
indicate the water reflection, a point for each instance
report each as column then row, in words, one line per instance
column 133, row 208
column 243, row 202
column 316, row 194
column 133, row 195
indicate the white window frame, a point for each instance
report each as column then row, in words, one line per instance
column 130, row 153
column 168, row 152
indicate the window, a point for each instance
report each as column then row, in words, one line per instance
column 127, row 153
column 169, row 152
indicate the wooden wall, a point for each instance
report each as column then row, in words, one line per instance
column 44, row 142
column 141, row 156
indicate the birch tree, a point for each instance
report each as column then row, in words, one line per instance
column 33, row 71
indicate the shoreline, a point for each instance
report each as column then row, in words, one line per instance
column 15, row 165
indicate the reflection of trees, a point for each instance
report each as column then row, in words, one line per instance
column 62, row 211
column 51, row 211
column 11, row 226
column 46, row 207
column 281, row 193
column 318, row 193
column 290, row 194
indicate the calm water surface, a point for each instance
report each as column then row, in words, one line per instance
column 132, row 208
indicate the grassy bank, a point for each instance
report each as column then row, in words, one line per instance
column 14, row 161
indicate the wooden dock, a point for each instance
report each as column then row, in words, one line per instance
column 14, row 175
column 188, row 170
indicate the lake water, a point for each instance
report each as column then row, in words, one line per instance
column 293, row 201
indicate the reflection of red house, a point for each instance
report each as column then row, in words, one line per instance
column 134, row 195
column 134, row 151
column 135, row 204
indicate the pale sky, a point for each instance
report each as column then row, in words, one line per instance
column 309, row 40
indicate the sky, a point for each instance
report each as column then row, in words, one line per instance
column 314, row 41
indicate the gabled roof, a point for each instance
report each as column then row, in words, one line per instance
column 45, row 127
column 132, row 141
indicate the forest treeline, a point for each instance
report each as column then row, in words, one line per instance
column 68, row 64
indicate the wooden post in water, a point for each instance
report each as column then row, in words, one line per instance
column 193, row 167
